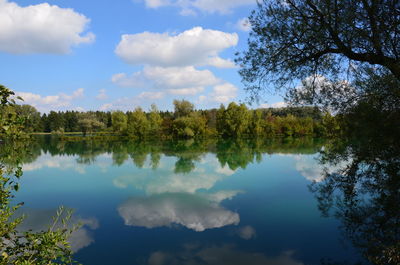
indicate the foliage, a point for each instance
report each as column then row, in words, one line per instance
column 11, row 124
column 137, row 125
column 295, row 39
column 182, row 108
column 193, row 125
column 185, row 122
column 16, row 247
column 88, row 123
column 155, row 120
column 119, row 122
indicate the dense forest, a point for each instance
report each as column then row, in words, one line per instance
column 184, row 122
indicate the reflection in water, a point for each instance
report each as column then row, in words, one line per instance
column 246, row 232
column 230, row 154
column 41, row 220
column 217, row 255
column 207, row 173
column 356, row 182
column 365, row 195
column 194, row 211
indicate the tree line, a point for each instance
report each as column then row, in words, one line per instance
column 231, row 121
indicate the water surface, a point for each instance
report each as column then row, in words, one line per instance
column 185, row 202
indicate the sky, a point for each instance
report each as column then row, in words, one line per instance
column 123, row 54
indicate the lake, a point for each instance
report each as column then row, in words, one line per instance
column 186, row 202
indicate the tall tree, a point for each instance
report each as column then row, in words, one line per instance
column 237, row 119
column 137, row 125
column 294, row 39
column 182, row 108
column 155, row 120
column 119, row 121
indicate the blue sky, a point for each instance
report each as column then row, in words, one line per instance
column 109, row 55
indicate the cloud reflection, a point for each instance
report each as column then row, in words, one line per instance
column 312, row 170
column 40, row 220
column 217, row 255
column 166, row 180
column 194, row 211
column 246, row 232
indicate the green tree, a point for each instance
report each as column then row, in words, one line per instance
column 71, row 121
column 220, row 120
column 119, row 121
column 294, row 39
column 256, row 123
column 89, row 124
column 137, row 124
column 190, row 126
column 182, row 108
column 11, row 124
column 155, row 120
column 56, row 121
column 235, row 119
column 31, row 117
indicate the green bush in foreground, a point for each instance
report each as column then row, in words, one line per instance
column 45, row 247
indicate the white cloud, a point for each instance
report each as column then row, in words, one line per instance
column 180, row 77
column 186, row 91
column 123, row 80
column 194, row 47
column 224, row 93
column 280, row 104
column 174, row 80
column 151, row 95
column 221, row 6
column 79, row 109
column 196, row 212
column 107, row 106
column 102, row 95
column 41, row 28
column 188, row 7
column 53, row 102
column 243, row 24
column 157, row 3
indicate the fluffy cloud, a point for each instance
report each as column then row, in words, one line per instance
column 188, row 7
column 280, row 104
column 174, row 80
column 41, row 28
column 193, row 211
column 54, row 102
column 196, row 46
column 224, row 93
column 151, row 95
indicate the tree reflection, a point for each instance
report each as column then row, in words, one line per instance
column 365, row 195
column 235, row 154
